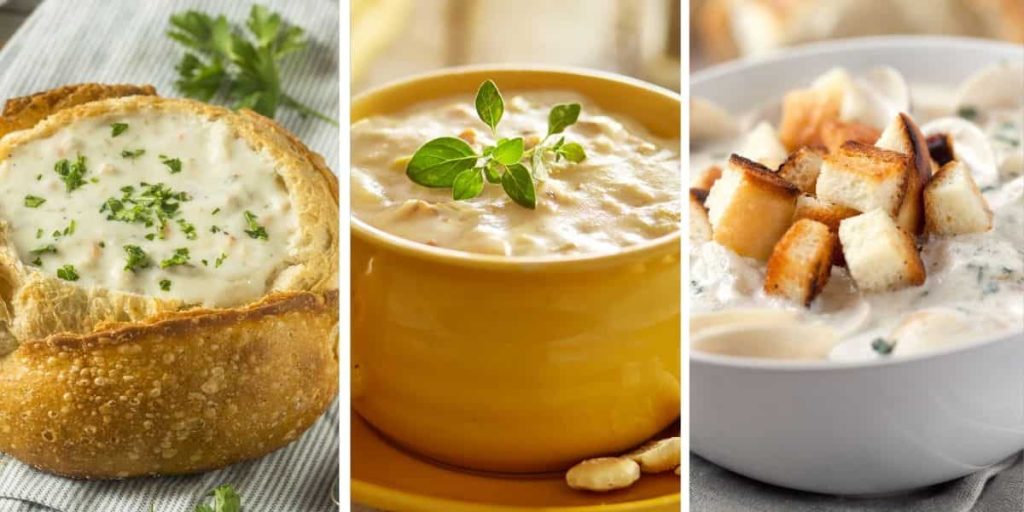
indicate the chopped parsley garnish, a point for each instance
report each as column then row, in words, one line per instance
column 103, row 245
column 967, row 112
column 205, row 263
column 133, row 154
column 151, row 207
column 33, row 201
column 255, row 229
column 72, row 173
column 135, row 258
column 48, row 248
column 215, row 211
column 37, row 262
column 215, row 229
column 67, row 273
column 70, row 230
column 220, row 259
column 39, row 177
column 882, row 346
column 117, row 129
column 187, row 229
column 39, row 233
column 173, row 164
column 165, row 285
column 180, row 257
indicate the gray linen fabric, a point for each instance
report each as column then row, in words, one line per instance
column 999, row 488
column 123, row 41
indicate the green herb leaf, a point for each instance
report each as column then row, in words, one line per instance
column 117, row 129
column 165, row 285
column 180, row 257
column 173, row 164
column 132, row 154
column 70, row 229
column 489, row 104
column 493, row 171
column 562, row 116
column 67, row 273
column 135, row 258
column 255, row 229
column 572, row 152
column 518, row 184
column 49, row 248
column 220, row 259
column 967, row 112
column 33, row 201
column 187, row 229
column 438, row 162
column 468, row 184
column 224, row 499
column 71, row 173
column 509, row 151
column 882, row 346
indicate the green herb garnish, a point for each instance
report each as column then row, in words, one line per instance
column 152, row 207
column 117, row 129
column 70, row 229
column 48, row 248
column 967, row 112
column 67, row 273
column 215, row 211
column 135, row 258
column 883, row 346
column 180, row 257
column 72, row 173
column 221, row 499
column 165, row 285
column 39, row 233
column 222, row 60
column 255, row 229
column 187, row 229
column 173, row 164
column 33, row 201
column 450, row 162
column 220, row 260
column 132, row 154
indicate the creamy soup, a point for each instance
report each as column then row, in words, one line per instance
column 975, row 283
column 626, row 192
column 165, row 205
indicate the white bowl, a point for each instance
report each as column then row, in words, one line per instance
column 871, row 427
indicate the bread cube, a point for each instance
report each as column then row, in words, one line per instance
column 864, row 178
column 801, row 262
column 700, row 226
column 706, row 178
column 805, row 111
column 903, row 136
column 953, row 205
column 829, row 214
column 802, row 168
column 762, row 145
column 750, row 208
column 835, row 132
column 879, row 254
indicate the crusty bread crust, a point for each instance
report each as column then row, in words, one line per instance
column 835, row 132
column 903, row 136
column 802, row 167
column 801, row 262
column 109, row 384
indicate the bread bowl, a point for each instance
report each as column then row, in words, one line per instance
column 121, row 366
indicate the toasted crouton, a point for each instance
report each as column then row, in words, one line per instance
column 762, row 146
column 805, row 111
column 953, row 205
column 706, row 178
column 700, row 226
column 829, row 214
column 879, row 254
column 903, row 136
column 835, row 132
column 802, row 168
column 801, row 262
column 750, row 208
column 864, row 178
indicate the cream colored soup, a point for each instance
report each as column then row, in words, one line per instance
column 626, row 192
column 220, row 179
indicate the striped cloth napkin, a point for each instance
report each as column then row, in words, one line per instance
column 123, row 41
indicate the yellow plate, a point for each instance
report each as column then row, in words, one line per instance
column 386, row 477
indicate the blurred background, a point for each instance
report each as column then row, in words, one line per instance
column 397, row 38
column 728, row 29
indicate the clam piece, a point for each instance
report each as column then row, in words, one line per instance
column 790, row 341
column 970, row 145
column 738, row 317
column 998, row 86
column 875, row 97
column 709, row 121
column 932, row 329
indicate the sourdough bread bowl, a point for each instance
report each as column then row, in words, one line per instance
column 182, row 314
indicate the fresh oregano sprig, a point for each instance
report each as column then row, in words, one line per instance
column 450, row 162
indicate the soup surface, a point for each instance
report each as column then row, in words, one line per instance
column 172, row 206
column 625, row 193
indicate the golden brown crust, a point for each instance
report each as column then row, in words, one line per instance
column 802, row 167
column 835, row 132
column 108, row 384
column 25, row 112
column 763, row 177
column 178, row 394
column 801, row 262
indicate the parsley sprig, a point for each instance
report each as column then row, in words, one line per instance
column 243, row 68
column 450, row 162
column 223, row 498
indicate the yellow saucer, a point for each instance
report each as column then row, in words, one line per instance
column 386, row 477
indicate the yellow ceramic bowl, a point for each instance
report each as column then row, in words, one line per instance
column 516, row 364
